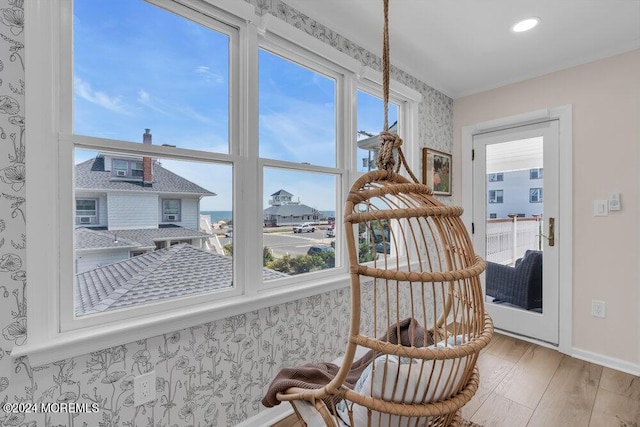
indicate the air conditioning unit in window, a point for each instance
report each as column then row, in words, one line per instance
column 172, row 217
column 87, row 219
column 121, row 173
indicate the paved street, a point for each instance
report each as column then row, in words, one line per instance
column 286, row 242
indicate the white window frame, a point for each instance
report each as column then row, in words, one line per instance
column 128, row 170
column 53, row 335
column 536, row 173
column 165, row 216
column 495, row 198
column 132, row 165
column 116, row 171
column 79, row 216
column 305, row 58
column 496, row 177
column 539, row 195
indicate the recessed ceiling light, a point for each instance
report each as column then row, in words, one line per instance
column 525, row 25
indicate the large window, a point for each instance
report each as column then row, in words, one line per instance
column 496, row 196
column 223, row 166
column 536, row 173
column 535, row 195
column 297, row 133
column 132, row 169
column 496, row 177
column 135, row 86
column 86, row 211
column 171, row 210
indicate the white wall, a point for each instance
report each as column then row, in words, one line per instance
column 606, row 136
column 129, row 211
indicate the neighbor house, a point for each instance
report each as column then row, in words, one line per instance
column 286, row 211
column 515, row 192
column 126, row 206
column 214, row 355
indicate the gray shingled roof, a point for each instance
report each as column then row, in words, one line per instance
column 282, row 193
column 141, row 238
column 98, row 239
column 90, row 175
column 177, row 271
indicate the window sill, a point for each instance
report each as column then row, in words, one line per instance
column 83, row 341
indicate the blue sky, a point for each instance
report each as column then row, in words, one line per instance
column 137, row 66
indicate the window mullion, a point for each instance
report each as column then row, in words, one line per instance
column 248, row 182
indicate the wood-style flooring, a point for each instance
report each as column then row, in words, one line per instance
column 522, row 384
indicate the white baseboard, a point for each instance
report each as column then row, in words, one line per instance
column 268, row 416
column 609, row 362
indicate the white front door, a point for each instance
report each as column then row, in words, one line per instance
column 516, row 220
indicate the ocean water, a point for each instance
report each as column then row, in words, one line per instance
column 216, row 216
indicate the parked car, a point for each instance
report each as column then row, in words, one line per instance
column 228, row 233
column 383, row 247
column 330, row 232
column 318, row 249
column 306, row 227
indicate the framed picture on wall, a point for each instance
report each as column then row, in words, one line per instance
column 436, row 171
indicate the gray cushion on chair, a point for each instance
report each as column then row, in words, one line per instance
column 520, row 285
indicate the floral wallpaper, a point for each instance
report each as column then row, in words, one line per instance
column 209, row 375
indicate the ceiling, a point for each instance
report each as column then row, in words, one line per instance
column 461, row 47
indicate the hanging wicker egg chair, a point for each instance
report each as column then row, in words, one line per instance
column 417, row 311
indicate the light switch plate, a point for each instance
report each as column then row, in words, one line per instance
column 600, row 208
column 614, row 202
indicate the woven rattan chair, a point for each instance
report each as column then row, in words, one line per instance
column 417, row 311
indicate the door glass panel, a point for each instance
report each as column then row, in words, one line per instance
column 514, row 223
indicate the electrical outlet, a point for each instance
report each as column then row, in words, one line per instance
column 144, row 388
column 598, row 309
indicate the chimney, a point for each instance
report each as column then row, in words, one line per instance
column 147, row 173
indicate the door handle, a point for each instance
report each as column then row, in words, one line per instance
column 552, row 232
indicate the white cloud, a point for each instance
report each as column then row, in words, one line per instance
column 168, row 108
column 83, row 90
column 208, row 75
column 293, row 123
column 143, row 97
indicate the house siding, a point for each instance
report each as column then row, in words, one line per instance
column 211, row 374
column 516, row 185
column 129, row 211
column 190, row 214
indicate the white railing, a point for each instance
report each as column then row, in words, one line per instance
column 212, row 244
column 509, row 238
